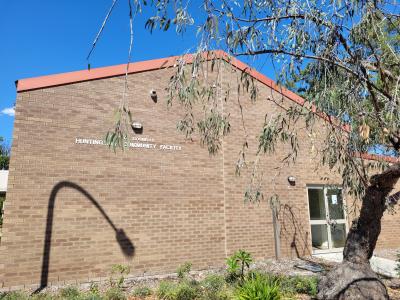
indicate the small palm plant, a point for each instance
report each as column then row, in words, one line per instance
column 237, row 265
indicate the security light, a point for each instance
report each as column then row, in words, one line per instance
column 292, row 180
column 137, row 125
column 153, row 95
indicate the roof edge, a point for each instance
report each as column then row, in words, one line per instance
column 378, row 157
column 47, row 81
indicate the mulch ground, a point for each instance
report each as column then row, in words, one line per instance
column 288, row 267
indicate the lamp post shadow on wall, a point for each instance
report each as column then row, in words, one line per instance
column 127, row 247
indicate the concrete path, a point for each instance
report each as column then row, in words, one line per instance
column 380, row 265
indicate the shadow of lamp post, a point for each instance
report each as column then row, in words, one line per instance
column 124, row 242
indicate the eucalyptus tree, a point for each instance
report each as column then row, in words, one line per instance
column 4, row 155
column 342, row 55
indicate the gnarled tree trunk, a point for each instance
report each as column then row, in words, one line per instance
column 354, row 278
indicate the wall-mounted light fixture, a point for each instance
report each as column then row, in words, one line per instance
column 137, row 126
column 153, row 95
column 292, row 180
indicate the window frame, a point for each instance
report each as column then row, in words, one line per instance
column 328, row 222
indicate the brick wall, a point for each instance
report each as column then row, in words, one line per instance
column 173, row 206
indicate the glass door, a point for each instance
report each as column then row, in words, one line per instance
column 327, row 218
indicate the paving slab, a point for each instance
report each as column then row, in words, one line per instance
column 382, row 266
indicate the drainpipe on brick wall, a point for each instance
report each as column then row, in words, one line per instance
column 277, row 229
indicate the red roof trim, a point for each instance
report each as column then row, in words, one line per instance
column 97, row 73
column 389, row 159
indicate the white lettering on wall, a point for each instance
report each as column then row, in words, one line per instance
column 170, row 147
column 137, row 142
column 89, row 141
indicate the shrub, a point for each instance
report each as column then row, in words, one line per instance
column 13, row 296
column 259, row 287
column 301, row 285
column 114, row 293
column 184, row 270
column 94, row 288
column 237, row 265
column 232, row 267
column 213, row 287
column 186, row 291
column 166, row 290
column 70, row 293
column 118, row 273
column 91, row 296
column 42, row 296
column 142, row 291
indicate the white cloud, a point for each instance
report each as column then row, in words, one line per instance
column 9, row 111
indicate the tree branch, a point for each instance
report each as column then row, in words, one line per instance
column 387, row 177
column 320, row 58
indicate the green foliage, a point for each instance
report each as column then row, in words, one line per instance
column 13, row 296
column 214, row 288
column 255, row 285
column 114, row 293
column 91, row 296
column 186, row 291
column 47, row 296
column 166, row 290
column 213, row 283
column 118, row 273
column 292, row 285
column 184, row 270
column 70, row 293
column 301, row 285
column 237, row 265
column 259, row 287
column 211, row 129
column 2, row 199
column 142, row 291
column 4, row 162
column 94, row 288
column 232, row 268
column 93, row 293
column 343, row 57
column 183, row 290
column 4, row 155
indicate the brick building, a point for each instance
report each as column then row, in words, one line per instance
column 74, row 207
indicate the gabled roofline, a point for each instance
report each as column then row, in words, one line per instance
column 48, row 81
column 34, row 83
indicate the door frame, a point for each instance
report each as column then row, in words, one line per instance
column 327, row 220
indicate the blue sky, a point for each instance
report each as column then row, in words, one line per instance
column 46, row 37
